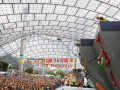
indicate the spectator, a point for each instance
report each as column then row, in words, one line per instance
column 81, row 83
column 58, row 86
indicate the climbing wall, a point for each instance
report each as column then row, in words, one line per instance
column 107, row 43
column 89, row 56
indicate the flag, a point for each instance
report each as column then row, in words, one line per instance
column 71, row 66
column 65, row 59
column 61, row 65
column 28, row 60
column 31, row 58
column 54, row 60
column 48, row 60
column 71, row 60
column 39, row 63
column 65, row 65
column 61, row 60
column 57, row 66
column 45, row 60
column 57, row 60
column 35, row 61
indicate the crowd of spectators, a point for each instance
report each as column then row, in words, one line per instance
column 28, row 82
column 14, row 81
column 23, row 83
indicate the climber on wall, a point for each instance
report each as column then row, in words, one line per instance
column 101, row 62
column 101, row 19
column 99, row 59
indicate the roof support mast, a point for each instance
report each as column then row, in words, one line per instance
column 22, row 49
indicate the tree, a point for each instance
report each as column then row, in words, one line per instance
column 57, row 72
column 31, row 71
column 3, row 66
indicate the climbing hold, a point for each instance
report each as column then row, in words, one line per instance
column 98, row 39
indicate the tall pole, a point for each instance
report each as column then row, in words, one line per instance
column 22, row 49
column 22, row 52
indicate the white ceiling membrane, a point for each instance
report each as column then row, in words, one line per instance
column 43, row 21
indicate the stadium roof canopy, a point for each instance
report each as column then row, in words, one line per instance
column 41, row 22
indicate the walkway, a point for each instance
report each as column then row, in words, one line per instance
column 73, row 88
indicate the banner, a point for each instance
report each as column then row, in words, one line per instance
column 48, row 62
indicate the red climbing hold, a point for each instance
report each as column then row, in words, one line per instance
column 113, row 80
column 102, row 50
column 107, row 60
column 98, row 39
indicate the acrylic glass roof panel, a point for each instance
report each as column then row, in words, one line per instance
column 111, row 11
column 48, row 8
column 14, row 18
column 43, row 1
column 51, row 16
column 60, row 9
column 6, row 9
column 114, row 2
column 57, row 2
column 20, row 8
column 3, row 19
column 93, row 4
column 30, row 1
column 82, row 3
column 71, row 11
column 70, row 2
column 35, row 8
column 54, row 23
column 102, row 8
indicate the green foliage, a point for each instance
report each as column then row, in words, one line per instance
column 31, row 71
column 57, row 72
column 35, row 72
column 3, row 66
